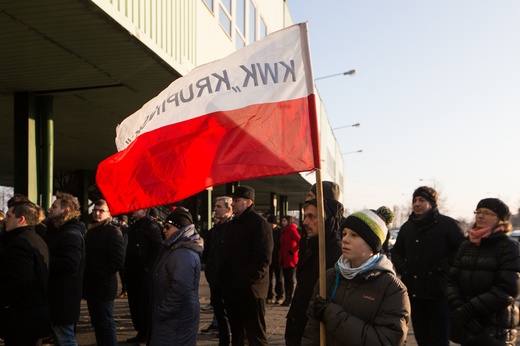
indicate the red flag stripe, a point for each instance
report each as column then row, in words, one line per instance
column 177, row 161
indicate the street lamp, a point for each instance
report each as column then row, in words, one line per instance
column 352, row 152
column 348, row 73
column 434, row 181
column 342, row 127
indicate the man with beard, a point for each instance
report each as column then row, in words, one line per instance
column 104, row 257
column 423, row 254
column 144, row 243
column 307, row 269
column 65, row 239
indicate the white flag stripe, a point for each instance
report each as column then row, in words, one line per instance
column 248, row 76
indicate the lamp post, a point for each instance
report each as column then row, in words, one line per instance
column 347, row 73
column 352, row 152
column 351, row 125
column 434, row 181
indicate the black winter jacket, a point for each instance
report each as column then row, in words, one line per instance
column 213, row 252
column 144, row 243
column 24, row 312
column 66, row 268
column 482, row 287
column 104, row 250
column 248, row 248
column 423, row 254
column 307, row 275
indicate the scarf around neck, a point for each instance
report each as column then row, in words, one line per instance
column 477, row 234
column 343, row 266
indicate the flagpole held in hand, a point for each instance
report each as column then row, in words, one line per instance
column 321, row 248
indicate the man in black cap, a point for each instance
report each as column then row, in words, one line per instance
column 244, row 269
column 423, row 254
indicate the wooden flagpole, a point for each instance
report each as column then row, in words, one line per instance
column 321, row 248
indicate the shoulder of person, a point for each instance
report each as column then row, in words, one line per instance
column 448, row 222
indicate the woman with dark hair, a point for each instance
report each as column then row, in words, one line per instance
column 288, row 255
column 484, row 282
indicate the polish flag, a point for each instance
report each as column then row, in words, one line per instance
column 249, row 115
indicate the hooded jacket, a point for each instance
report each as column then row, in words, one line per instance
column 307, row 270
column 371, row 309
column 175, row 287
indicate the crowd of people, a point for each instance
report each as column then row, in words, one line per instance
column 450, row 284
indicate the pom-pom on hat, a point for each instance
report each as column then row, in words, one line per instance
column 497, row 206
column 244, row 191
column 368, row 225
column 179, row 218
column 428, row 194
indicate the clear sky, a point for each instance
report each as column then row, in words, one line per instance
column 437, row 93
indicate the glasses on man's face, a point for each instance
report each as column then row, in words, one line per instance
column 484, row 213
column 167, row 225
column 101, row 211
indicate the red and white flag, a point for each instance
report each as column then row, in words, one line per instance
column 249, row 115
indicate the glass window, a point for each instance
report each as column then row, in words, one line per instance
column 209, row 3
column 225, row 17
column 227, row 5
column 240, row 16
column 239, row 41
column 263, row 29
column 252, row 22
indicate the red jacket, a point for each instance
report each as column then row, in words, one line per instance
column 289, row 246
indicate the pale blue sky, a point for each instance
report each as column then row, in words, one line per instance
column 437, row 93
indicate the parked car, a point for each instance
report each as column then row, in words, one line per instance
column 515, row 234
column 393, row 236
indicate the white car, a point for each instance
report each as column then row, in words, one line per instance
column 393, row 237
column 515, row 234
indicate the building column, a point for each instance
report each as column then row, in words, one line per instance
column 46, row 161
column 230, row 187
column 206, row 222
column 284, row 205
column 273, row 209
column 25, row 146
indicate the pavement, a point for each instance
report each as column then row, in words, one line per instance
column 275, row 319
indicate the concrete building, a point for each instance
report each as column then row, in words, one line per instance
column 71, row 70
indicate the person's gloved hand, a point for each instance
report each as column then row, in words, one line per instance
column 320, row 304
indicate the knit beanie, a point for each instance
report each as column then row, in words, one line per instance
column 272, row 219
column 369, row 226
column 179, row 218
column 330, row 190
column 428, row 194
column 497, row 206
